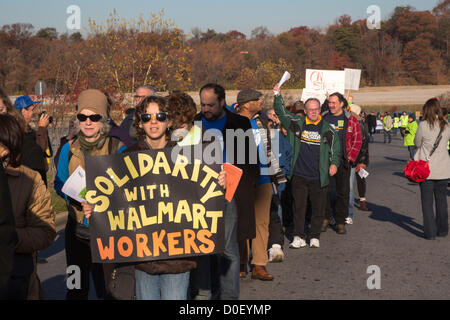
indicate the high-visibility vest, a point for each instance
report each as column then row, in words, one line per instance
column 404, row 120
column 396, row 122
column 385, row 125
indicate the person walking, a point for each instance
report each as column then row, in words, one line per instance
column 362, row 161
column 403, row 123
column 387, row 127
column 91, row 140
column 239, row 214
column 349, row 132
column 316, row 158
column 410, row 133
column 434, row 133
column 250, row 106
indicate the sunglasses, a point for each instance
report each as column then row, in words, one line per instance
column 162, row 116
column 93, row 117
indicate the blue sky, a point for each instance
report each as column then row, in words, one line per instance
column 222, row 16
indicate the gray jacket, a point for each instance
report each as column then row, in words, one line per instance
column 440, row 160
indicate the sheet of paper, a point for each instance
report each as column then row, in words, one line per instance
column 234, row 175
column 286, row 76
column 363, row 173
column 75, row 186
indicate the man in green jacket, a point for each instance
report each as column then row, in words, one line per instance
column 316, row 157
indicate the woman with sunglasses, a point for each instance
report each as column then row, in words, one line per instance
column 91, row 139
column 163, row 279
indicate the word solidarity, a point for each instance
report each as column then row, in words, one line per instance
column 148, row 207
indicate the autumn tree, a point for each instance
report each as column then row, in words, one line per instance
column 130, row 53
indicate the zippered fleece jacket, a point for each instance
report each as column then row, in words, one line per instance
column 330, row 149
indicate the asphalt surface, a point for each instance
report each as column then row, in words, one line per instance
column 389, row 237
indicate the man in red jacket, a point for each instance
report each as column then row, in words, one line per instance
column 347, row 127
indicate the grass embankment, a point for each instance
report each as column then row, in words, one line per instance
column 58, row 203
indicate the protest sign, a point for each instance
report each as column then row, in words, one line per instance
column 325, row 81
column 352, row 79
column 309, row 93
column 148, row 206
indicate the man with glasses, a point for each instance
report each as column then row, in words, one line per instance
column 316, row 159
column 142, row 91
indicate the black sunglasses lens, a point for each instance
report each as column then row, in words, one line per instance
column 93, row 117
column 81, row 117
column 145, row 117
column 162, row 116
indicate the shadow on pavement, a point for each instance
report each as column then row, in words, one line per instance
column 55, row 288
column 381, row 213
column 395, row 159
column 55, row 248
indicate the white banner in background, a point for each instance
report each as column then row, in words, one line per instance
column 325, row 81
column 352, row 79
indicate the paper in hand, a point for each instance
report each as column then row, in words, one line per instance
column 286, row 76
column 75, row 186
column 363, row 173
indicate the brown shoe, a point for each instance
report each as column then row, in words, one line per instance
column 340, row 229
column 260, row 273
column 363, row 206
column 325, row 224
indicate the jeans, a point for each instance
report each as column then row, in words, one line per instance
column 226, row 275
column 351, row 198
column 161, row 286
column 434, row 226
column 217, row 276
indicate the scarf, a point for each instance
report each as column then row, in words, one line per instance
column 87, row 147
column 277, row 175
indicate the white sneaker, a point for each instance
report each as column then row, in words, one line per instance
column 298, row 243
column 276, row 254
column 333, row 222
column 348, row 221
column 314, row 243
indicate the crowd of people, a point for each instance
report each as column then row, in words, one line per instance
column 302, row 184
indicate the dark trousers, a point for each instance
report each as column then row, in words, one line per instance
column 78, row 252
column 342, row 181
column 361, row 183
column 276, row 235
column 303, row 188
column 434, row 226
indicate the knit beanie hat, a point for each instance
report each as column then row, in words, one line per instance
column 94, row 100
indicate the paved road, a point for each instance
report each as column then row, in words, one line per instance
column 390, row 237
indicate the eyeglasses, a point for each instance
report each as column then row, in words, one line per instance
column 93, row 117
column 162, row 116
